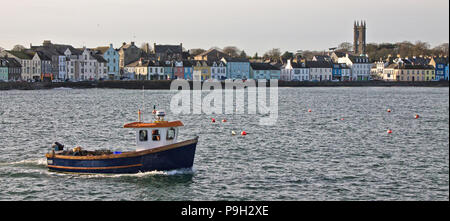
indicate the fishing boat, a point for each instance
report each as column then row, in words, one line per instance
column 157, row 149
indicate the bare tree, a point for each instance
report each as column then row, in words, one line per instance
column 146, row 47
column 273, row 54
column 1, row 49
column 231, row 51
column 196, row 51
column 345, row 47
column 18, row 48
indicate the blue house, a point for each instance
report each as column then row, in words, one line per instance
column 340, row 71
column 111, row 56
column 446, row 72
column 188, row 70
column 237, row 68
column 439, row 64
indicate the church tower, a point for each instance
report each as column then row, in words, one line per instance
column 359, row 40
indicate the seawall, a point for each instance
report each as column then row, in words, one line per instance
column 165, row 84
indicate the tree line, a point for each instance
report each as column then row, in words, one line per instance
column 374, row 50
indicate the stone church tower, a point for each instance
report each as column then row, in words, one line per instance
column 359, row 42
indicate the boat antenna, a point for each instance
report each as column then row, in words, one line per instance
column 143, row 101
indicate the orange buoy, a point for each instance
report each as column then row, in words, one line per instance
column 417, row 116
column 213, row 120
column 243, row 133
column 309, row 110
column 389, row 131
column 389, row 110
column 224, row 120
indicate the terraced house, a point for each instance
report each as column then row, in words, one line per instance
column 294, row 71
column 25, row 61
column 320, row 70
column 409, row 72
column 3, row 69
column 202, row 70
column 112, row 58
column 218, row 70
column 264, row 71
column 237, row 68
column 439, row 64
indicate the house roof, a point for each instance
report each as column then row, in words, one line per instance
column 9, row 62
column 21, row 54
column 319, row 64
column 168, row 49
column 263, row 66
column 228, row 59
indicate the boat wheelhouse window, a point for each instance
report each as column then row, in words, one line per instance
column 170, row 134
column 143, row 135
column 155, row 135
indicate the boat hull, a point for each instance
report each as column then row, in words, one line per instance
column 170, row 157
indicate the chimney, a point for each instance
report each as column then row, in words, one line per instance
column 46, row 43
column 110, row 45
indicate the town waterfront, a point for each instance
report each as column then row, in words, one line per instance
column 338, row 151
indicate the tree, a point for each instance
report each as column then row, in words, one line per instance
column 196, row 51
column 231, row 51
column 345, row 47
column 273, row 54
column 146, row 48
column 243, row 54
column 18, row 48
column 255, row 56
column 287, row 55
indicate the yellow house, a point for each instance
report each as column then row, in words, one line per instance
column 202, row 70
column 402, row 72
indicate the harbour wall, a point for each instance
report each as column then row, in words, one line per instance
column 165, row 84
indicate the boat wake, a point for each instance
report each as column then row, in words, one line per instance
column 33, row 162
column 145, row 174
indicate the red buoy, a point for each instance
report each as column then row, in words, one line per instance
column 243, row 133
column 417, row 116
column 389, row 110
column 213, row 120
column 224, row 120
column 309, row 110
column 342, row 118
column 389, row 131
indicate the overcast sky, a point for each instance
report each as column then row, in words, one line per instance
column 252, row 25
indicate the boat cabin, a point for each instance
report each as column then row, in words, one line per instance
column 155, row 134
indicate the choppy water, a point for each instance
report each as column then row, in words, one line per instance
column 307, row 156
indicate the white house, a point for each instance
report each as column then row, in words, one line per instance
column 295, row 71
column 218, row 70
column 359, row 65
column 320, row 70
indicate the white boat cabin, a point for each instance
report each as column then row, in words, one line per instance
column 155, row 134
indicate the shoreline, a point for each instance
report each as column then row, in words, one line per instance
column 165, row 84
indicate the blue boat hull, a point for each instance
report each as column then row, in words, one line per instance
column 175, row 156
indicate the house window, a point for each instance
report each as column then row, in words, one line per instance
column 143, row 136
column 155, row 135
column 170, row 134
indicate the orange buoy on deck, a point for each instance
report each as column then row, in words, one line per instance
column 213, row 120
column 417, row 116
column 243, row 133
column 389, row 131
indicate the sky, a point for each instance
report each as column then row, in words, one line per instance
column 251, row 25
